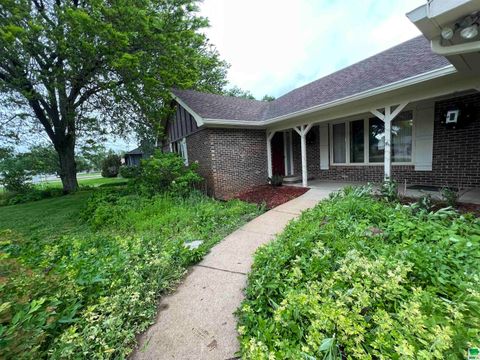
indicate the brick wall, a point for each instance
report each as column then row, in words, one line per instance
column 239, row 160
column 199, row 150
column 456, row 154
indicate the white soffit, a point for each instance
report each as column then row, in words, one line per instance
column 436, row 14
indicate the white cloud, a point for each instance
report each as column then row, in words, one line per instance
column 274, row 46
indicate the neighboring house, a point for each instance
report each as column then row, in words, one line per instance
column 408, row 113
column 133, row 158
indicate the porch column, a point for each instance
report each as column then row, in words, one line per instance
column 269, row 152
column 389, row 113
column 303, row 130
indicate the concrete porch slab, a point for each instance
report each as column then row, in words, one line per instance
column 470, row 196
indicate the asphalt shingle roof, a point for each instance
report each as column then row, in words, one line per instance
column 411, row 58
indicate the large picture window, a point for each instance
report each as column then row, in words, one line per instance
column 363, row 141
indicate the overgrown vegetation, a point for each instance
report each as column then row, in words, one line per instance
column 86, row 287
column 360, row 278
column 80, row 275
column 166, row 172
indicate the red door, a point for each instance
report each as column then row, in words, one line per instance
column 278, row 160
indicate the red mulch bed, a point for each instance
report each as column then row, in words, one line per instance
column 271, row 196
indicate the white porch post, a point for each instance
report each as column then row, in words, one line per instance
column 303, row 131
column 387, row 117
column 269, row 152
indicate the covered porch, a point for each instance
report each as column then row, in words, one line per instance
column 428, row 138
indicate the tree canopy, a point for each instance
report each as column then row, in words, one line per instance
column 76, row 69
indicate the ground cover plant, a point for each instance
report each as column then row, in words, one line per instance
column 84, row 280
column 362, row 278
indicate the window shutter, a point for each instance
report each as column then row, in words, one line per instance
column 423, row 124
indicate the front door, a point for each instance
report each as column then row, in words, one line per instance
column 278, row 154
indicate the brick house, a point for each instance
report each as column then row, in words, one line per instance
column 411, row 113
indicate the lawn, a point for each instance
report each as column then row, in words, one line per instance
column 80, row 275
column 83, row 182
column 361, row 278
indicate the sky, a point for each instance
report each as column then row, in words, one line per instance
column 274, row 46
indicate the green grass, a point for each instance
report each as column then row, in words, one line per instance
column 82, row 182
column 48, row 218
column 360, row 278
column 80, row 275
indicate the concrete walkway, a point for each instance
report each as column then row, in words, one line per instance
column 197, row 322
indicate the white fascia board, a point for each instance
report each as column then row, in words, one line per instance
column 198, row 119
column 447, row 70
column 418, row 14
column 233, row 123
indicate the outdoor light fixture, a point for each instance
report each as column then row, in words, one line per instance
column 468, row 27
column 469, row 32
column 447, row 33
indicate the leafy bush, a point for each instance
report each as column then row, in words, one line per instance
column 87, row 291
column 111, row 166
column 450, row 196
column 423, row 204
column 276, row 180
column 29, row 194
column 358, row 278
column 15, row 179
column 166, row 172
column 129, row 172
column 389, row 190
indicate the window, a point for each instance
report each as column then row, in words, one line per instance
column 402, row 140
column 357, row 142
column 363, row 141
column 339, row 144
column 180, row 147
column 376, row 134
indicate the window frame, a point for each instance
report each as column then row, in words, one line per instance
column 179, row 147
column 366, row 139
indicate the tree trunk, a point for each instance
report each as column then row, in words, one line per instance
column 68, row 166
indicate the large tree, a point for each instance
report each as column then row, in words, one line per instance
column 75, row 69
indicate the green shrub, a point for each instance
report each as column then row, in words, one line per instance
column 129, row 171
column 29, row 194
column 389, row 190
column 15, row 180
column 450, row 196
column 358, row 278
column 111, row 166
column 423, row 204
column 276, row 180
column 166, row 172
